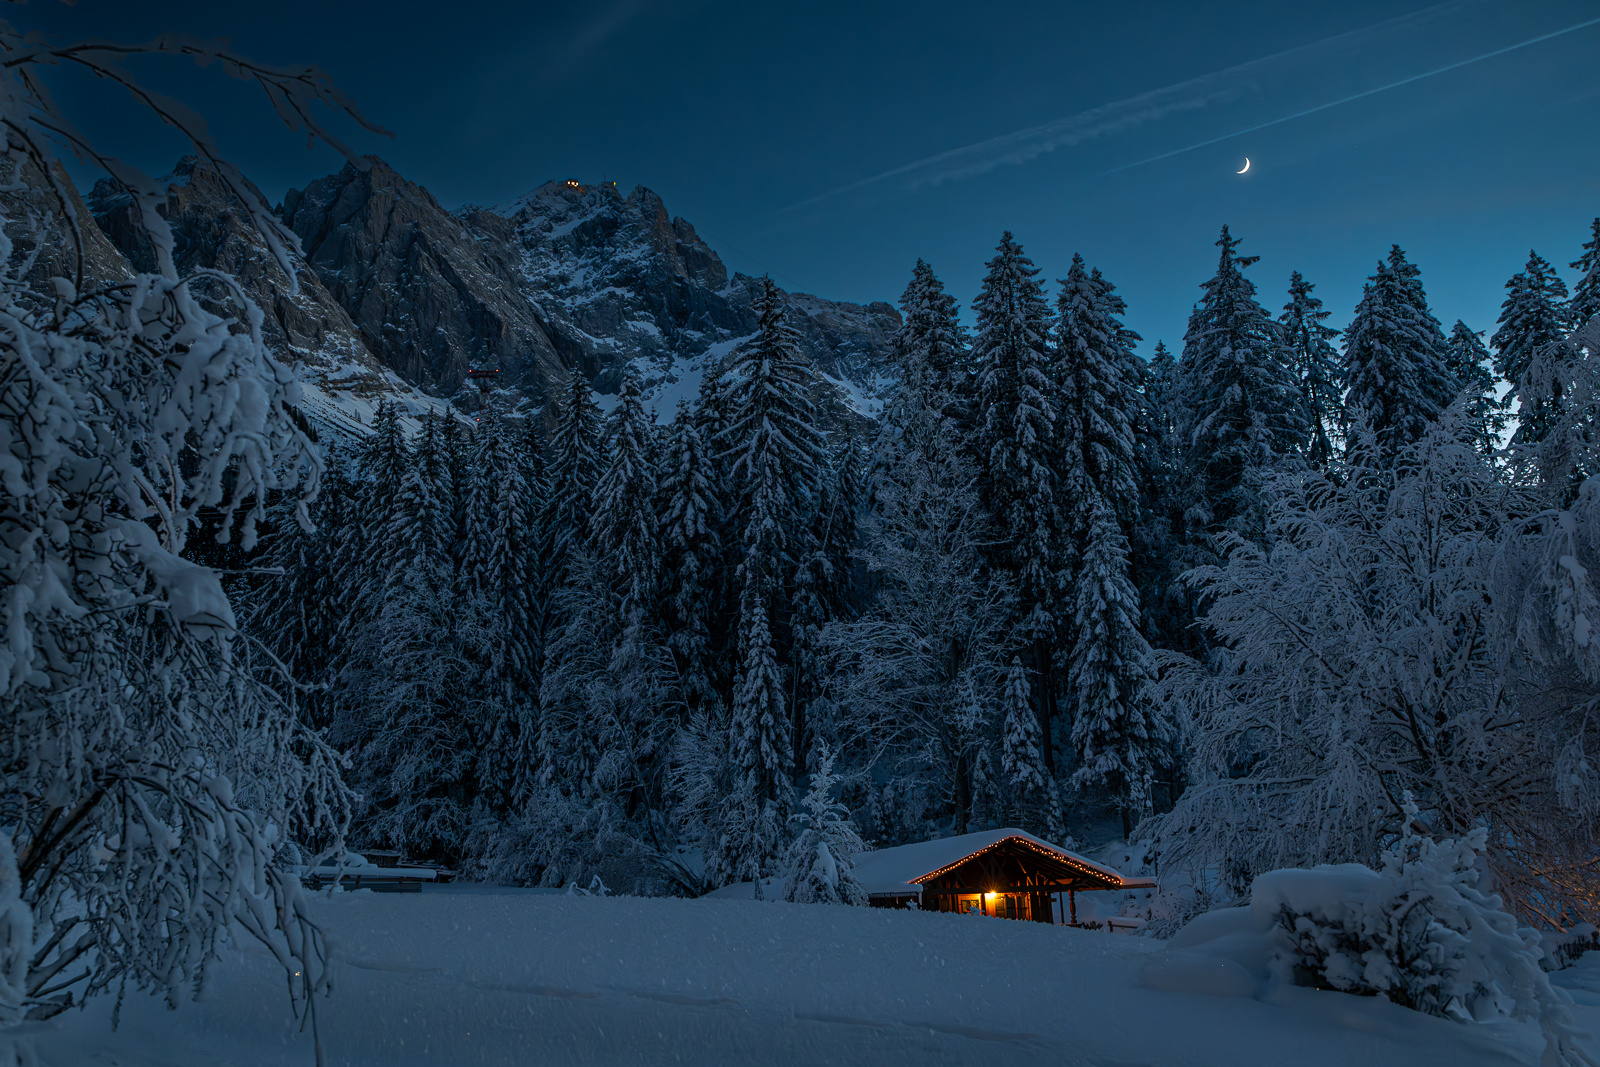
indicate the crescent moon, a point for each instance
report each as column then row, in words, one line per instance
column 1244, row 168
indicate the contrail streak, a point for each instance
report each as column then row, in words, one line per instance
column 1356, row 96
column 1020, row 146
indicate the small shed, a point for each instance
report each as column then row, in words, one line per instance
column 1005, row 873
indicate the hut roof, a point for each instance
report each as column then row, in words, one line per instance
column 898, row 871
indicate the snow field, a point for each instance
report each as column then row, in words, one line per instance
column 518, row 978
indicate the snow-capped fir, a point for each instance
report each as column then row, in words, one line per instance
column 1585, row 303
column 1467, row 360
column 1158, row 528
column 931, row 339
column 691, row 550
column 1015, row 449
column 574, row 470
column 1394, row 358
column 1318, row 368
column 1531, row 347
column 819, row 867
column 625, row 534
column 1118, row 735
column 1242, row 412
column 418, row 541
column 1160, row 385
column 776, row 459
column 1096, row 391
column 1021, row 766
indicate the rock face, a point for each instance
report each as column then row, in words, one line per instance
column 212, row 230
column 399, row 297
column 36, row 228
column 428, row 299
column 620, row 282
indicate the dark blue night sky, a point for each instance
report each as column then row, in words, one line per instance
column 831, row 144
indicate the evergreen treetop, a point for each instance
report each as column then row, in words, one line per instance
column 1317, row 366
column 1243, row 411
column 1394, row 357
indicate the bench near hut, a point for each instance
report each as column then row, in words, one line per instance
column 1008, row 873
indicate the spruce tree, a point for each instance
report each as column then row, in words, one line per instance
column 1467, row 360
column 777, row 457
column 1015, row 449
column 1317, row 366
column 1116, row 732
column 575, row 463
column 1394, row 358
column 1585, row 303
column 1158, row 533
column 1243, row 414
column 691, row 551
column 1021, row 765
column 1097, row 402
column 1531, row 347
column 931, row 340
column 625, row 534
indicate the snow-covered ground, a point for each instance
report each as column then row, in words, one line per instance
column 462, row 978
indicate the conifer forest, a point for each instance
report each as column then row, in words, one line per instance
column 1241, row 600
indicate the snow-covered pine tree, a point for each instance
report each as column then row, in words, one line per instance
column 776, row 458
column 1118, row 734
column 1531, row 347
column 1585, row 302
column 1158, row 533
column 1394, row 358
column 819, row 867
column 1467, row 360
column 1243, row 415
column 495, row 583
column 931, row 341
column 1318, row 369
column 625, row 535
column 575, row 463
column 1014, row 447
column 416, row 543
column 418, row 704
column 1021, row 765
column 573, row 472
column 1096, row 403
column 691, row 553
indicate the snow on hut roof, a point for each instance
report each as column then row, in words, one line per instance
column 895, row 871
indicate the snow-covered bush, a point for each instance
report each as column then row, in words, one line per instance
column 1357, row 660
column 819, row 867
column 152, row 761
column 1419, row 931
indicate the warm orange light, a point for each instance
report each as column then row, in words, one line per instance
column 990, row 896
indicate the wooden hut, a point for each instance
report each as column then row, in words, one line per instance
column 1004, row 873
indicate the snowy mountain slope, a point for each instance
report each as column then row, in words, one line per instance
column 565, row 276
column 503, row 977
column 399, row 298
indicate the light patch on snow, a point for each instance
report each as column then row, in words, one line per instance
column 682, row 385
column 855, row 396
column 506, row 977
